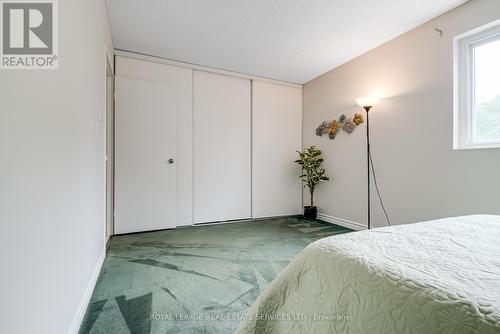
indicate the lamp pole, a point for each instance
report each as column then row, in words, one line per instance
column 367, row 108
column 367, row 103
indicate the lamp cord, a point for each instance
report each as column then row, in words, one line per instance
column 378, row 191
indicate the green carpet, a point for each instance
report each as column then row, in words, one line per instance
column 193, row 280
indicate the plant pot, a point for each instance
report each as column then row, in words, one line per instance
column 310, row 212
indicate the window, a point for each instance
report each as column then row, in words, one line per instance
column 477, row 88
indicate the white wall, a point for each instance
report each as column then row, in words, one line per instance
column 52, row 177
column 421, row 177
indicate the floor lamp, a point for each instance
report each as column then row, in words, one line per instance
column 367, row 103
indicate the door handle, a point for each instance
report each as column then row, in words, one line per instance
column 170, row 161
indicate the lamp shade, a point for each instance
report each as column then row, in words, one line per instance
column 368, row 101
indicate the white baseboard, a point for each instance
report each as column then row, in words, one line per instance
column 341, row 222
column 80, row 312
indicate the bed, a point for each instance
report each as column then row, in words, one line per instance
column 441, row 276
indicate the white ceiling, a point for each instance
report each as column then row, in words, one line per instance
column 290, row 40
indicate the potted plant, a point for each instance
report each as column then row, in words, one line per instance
column 312, row 174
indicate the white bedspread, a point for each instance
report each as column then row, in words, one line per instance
column 441, row 276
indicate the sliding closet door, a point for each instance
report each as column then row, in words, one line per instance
column 221, row 147
column 146, row 137
column 277, row 135
column 153, row 125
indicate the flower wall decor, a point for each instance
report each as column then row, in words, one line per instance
column 332, row 128
column 322, row 129
column 349, row 126
column 358, row 118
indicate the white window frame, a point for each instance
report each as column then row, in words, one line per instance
column 463, row 92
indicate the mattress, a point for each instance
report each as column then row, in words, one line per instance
column 441, row 276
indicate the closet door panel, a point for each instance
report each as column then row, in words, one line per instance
column 277, row 135
column 180, row 79
column 221, row 147
column 146, row 137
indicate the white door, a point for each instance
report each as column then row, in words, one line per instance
column 110, row 153
column 221, row 148
column 277, row 135
column 146, row 139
